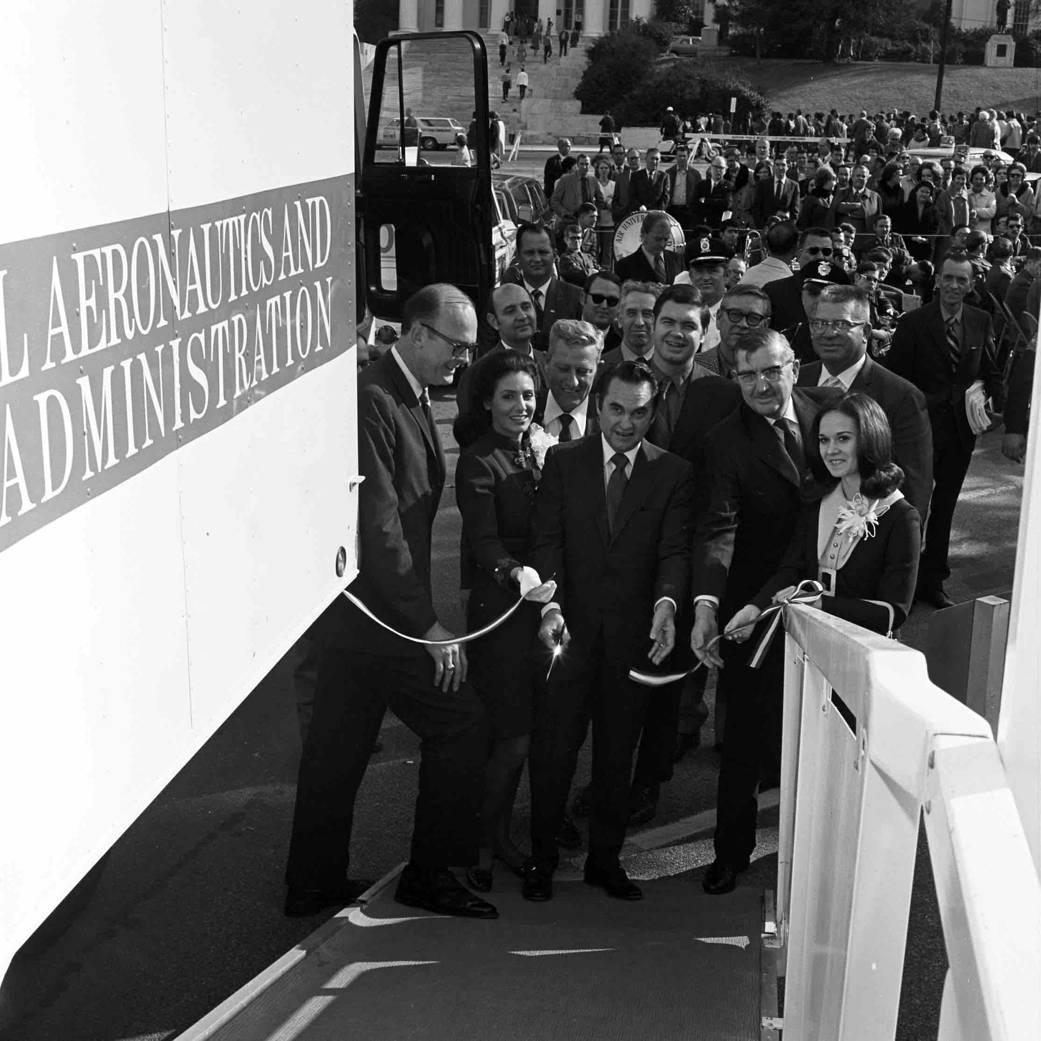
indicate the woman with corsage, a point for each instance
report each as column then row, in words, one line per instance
column 495, row 480
column 862, row 539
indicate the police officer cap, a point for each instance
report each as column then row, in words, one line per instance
column 706, row 249
column 825, row 272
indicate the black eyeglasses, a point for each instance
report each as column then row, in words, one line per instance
column 459, row 349
column 601, row 298
column 824, row 251
column 750, row 318
column 751, row 377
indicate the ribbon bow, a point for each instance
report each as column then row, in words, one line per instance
column 806, row 592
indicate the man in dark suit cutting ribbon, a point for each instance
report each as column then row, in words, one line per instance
column 759, row 481
column 612, row 526
column 365, row 668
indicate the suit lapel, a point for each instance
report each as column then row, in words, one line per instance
column 636, row 491
column 408, row 398
column 768, row 446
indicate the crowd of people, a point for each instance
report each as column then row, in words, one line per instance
column 648, row 463
column 784, row 381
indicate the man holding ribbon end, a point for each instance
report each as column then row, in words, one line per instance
column 384, row 646
column 757, row 462
column 612, row 526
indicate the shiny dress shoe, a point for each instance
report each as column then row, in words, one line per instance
column 613, row 880
column 581, row 805
column 537, row 885
column 568, row 836
column 685, row 743
column 721, row 877
column 934, row 596
column 479, row 878
column 302, row 903
column 643, row 804
column 438, row 890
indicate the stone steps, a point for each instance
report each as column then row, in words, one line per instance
column 433, row 87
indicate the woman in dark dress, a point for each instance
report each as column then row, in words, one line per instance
column 862, row 540
column 495, row 482
column 918, row 221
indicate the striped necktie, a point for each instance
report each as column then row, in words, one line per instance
column 953, row 345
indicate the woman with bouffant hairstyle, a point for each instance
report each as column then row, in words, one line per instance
column 862, row 539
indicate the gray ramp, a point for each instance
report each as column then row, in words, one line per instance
column 676, row 965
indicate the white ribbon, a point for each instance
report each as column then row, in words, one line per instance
column 806, row 592
column 532, row 588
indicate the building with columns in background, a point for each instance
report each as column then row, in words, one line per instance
column 596, row 16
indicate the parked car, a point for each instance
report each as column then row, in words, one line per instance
column 435, row 132
column 525, row 197
column 684, row 46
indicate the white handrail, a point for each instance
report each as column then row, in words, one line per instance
column 869, row 744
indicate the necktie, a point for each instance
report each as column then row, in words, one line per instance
column 833, row 381
column 616, row 488
column 566, row 419
column 585, row 189
column 792, row 440
column 659, row 267
column 953, row 345
column 536, row 299
column 777, row 191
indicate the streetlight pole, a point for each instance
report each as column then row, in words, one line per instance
column 942, row 64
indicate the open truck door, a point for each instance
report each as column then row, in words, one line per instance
column 426, row 216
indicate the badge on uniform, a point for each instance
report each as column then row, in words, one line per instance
column 704, row 245
column 824, row 268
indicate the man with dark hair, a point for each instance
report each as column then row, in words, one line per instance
column 759, row 481
column 365, row 667
column 946, row 349
column 635, row 322
column 683, row 182
column 601, row 296
column 649, row 187
column 779, row 195
column 553, row 171
column 840, row 329
column 553, row 298
column 612, row 520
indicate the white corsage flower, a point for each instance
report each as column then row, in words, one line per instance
column 858, row 518
column 540, row 443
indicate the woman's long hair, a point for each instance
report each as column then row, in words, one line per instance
column 879, row 475
column 487, row 373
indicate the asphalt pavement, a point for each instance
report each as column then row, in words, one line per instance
column 186, row 908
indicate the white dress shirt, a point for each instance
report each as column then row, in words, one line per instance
column 551, row 417
column 846, row 377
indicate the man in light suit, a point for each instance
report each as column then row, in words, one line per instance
column 759, row 482
column 365, row 668
column 553, row 298
column 576, row 187
column 654, row 261
column 649, row 187
column 622, row 203
column 778, row 195
column 563, row 407
column 612, row 524
column 946, row 349
column 840, row 330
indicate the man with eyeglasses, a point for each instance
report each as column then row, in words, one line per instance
column 946, row 349
column 759, row 480
column 365, row 668
column 840, row 330
column 601, row 297
column 816, row 261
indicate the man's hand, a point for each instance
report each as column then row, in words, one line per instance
column 449, row 660
column 553, row 632
column 740, row 627
column 705, row 631
column 663, row 631
column 1014, row 447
